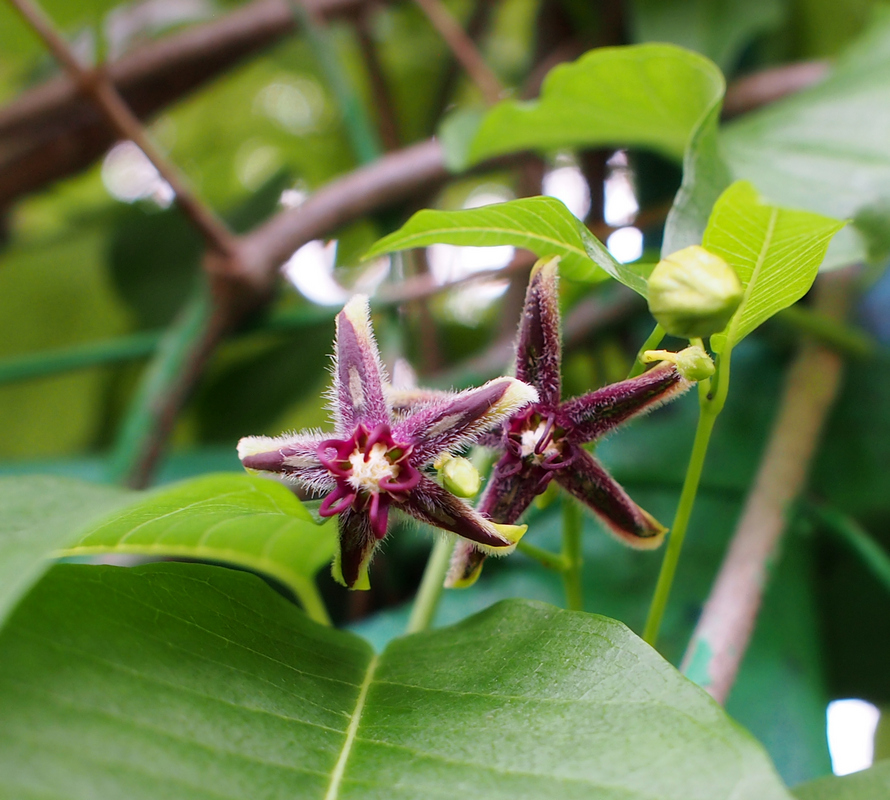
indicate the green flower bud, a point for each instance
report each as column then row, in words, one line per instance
column 459, row 476
column 693, row 293
column 693, row 363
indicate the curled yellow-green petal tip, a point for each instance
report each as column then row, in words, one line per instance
column 512, row 533
column 468, row 578
column 363, row 582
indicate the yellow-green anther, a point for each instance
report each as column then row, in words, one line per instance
column 459, row 476
column 693, row 363
column 693, row 293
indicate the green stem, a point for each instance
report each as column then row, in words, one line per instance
column 174, row 351
column 706, row 421
column 638, row 368
column 135, row 347
column 555, row 561
column 712, row 397
column 431, row 585
column 82, row 356
column 310, row 598
column 572, row 524
column 857, row 539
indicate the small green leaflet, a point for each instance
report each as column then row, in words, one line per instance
column 869, row 784
column 239, row 519
column 540, row 224
column 775, row 251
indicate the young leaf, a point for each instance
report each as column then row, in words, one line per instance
column 825, row 149
column 187, row 681
column 776, row 253
column 540, row 224
column 869, row 784
column 238, row 519
column 38, row 515
column 652, row 95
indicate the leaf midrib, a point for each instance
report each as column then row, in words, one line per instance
column 761, row 258
column 333, row 791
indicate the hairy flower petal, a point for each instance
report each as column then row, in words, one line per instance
column 595, row 414
column 292, row 458
column 357, row 545
column 538, row 347
column 586, row 479
column 448, row 424
column 432, row 504
column 358, row 395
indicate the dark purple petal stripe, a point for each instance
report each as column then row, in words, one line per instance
column 449, row 424
column 357, row 544
column 359, row 384
column 538, row 347
column 586, row 479
column 595, row 414
column 432, row 504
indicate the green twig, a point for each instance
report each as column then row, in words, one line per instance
column 856, row 538
column 175, row 350
column 555, row 561
column 427, row 600
column 638, row 368
column 81, row 356
column 572, row 524
column 134, row 347
column 712, row 396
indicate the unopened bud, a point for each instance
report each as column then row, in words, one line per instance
column 693, row 363
column 459, row 476
column 693, row 293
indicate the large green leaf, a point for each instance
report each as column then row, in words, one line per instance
column 776, row 253
column 187, row 681
column 38, row 515
column 238, row 519
column 652, row 96
column 826, row 149
column 540, row 224
column 870, row 784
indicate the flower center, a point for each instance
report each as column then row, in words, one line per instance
column 537, row 442
column 370, row 468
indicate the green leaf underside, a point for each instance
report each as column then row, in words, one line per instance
column 870, row 784
column 38, row 515
column 189, row 681
column 825, row 149
column 238, row 519
column 652, row 96
column 540, row 224
column 775, row 251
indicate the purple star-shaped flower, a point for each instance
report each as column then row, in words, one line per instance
column 543, row 441
column 378, row 460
